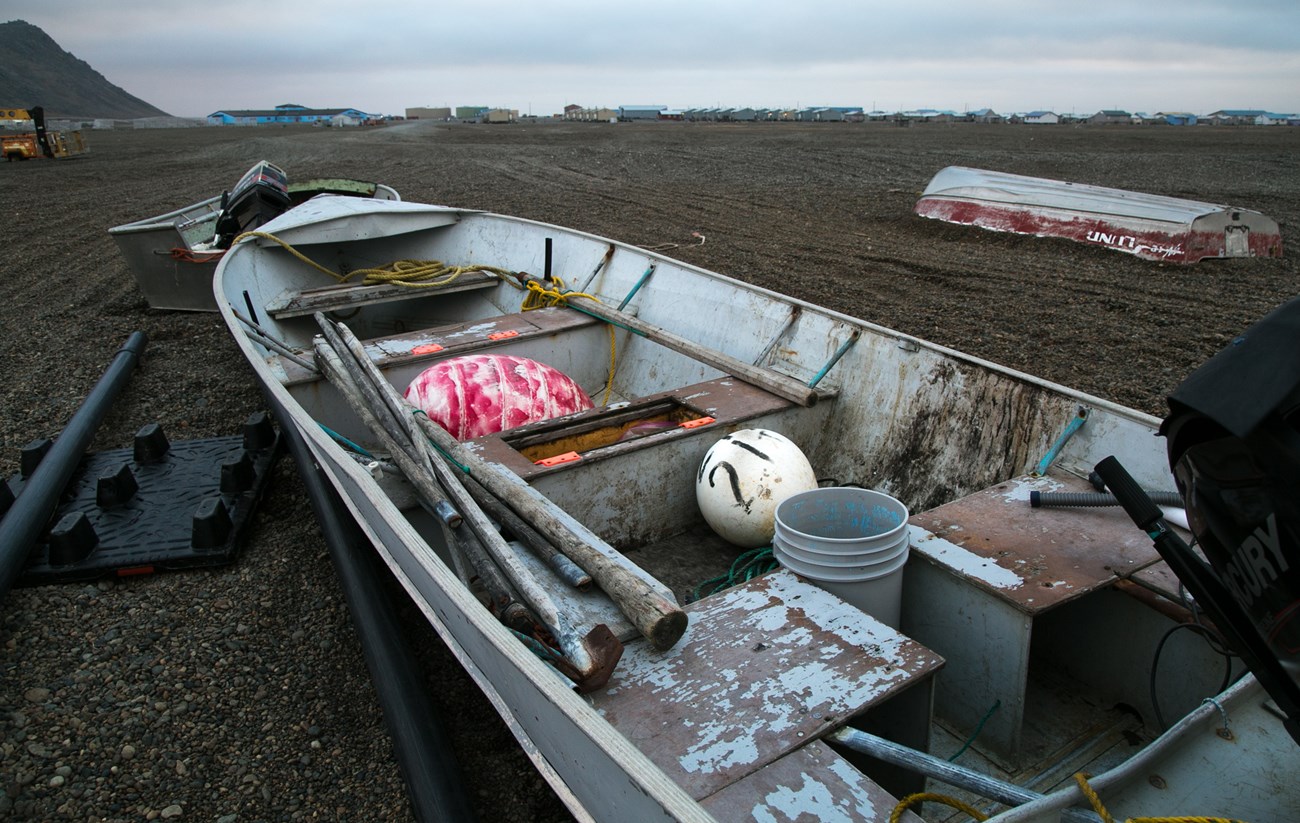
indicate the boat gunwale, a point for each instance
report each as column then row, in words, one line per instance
column 583, row 717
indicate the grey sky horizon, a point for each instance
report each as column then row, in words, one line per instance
column 193, row 58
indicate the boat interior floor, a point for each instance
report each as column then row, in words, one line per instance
column 692, row 563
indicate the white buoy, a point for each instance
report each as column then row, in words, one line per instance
column 744, row 477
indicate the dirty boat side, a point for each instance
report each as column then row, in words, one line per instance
column 1003, row 605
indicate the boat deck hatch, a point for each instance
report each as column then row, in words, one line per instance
column 653, row 420
column 632, row 422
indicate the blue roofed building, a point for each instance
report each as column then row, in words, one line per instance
column 284, row 114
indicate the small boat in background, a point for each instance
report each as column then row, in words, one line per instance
column 174, row 255
column 1151, row 226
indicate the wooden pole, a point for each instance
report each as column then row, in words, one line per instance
column 526, row 534
column 431, row 494
column 779, row 384
column 659, row 619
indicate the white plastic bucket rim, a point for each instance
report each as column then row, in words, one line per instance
column 830, row 519
column 844, row 555
column 840, row 574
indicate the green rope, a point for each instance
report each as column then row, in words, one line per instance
column 439, row 449
column 746, row 567
column 346, row 442
column 979, row 728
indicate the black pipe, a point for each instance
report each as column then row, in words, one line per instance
column 36, row 504
column 1039, row 499
column 420, row 742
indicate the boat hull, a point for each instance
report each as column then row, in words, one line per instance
column 923, row 423
column 167, row 258
column 1152, row 227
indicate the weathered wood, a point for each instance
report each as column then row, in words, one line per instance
column 591, row 663
column 527, row 535
column 456, row 339
column 347, row 295
column 1033, row 558
column 775, row 382
column 660, row 620
column 766, row 667
column 812, row 784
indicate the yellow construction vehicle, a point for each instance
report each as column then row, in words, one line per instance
column 23, row 136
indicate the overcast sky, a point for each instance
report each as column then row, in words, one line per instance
column 194, row 57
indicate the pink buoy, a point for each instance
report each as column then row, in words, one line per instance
column 482, row 394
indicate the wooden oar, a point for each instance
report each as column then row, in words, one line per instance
column 592, row 657
column 659, row 619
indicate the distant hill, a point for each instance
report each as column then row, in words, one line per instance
column 34, row 71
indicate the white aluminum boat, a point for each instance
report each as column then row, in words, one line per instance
column 1150, row 226
column 1025, row 638
column 173, row 257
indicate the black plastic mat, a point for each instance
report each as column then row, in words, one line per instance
column 152, row 507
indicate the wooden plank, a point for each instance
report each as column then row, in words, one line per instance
column 726, row 399
column 457, row 339
column 764, row 668
column 1035, row 559
column 812, row 784
column 348, row 295
column 780, row 384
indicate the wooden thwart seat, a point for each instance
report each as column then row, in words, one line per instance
column 293, row 303
column 985, row 567
column 457, row 339
column 812, row 783
column 764, row 668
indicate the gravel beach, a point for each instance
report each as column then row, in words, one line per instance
column 240, row 693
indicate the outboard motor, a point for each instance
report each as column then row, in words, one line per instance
column 1233, row 435
column 261, row 195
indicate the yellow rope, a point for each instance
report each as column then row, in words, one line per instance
column 923, row 797
column 421, row 274
column 414, row 274
column 1095, row 800
column 541, row 297
column 1080, row 778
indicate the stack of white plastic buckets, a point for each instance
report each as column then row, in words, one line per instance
column 849, row 541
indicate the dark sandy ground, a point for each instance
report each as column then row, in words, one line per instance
column 247, row 695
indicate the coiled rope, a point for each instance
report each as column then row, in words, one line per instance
column 416, row 274
column 542, row 297
column 746, row 567
column 411, row 274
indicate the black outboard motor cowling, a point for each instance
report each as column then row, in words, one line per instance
column 1234, row 446
column 261, row 195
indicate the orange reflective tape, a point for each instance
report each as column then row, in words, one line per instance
column 501, row 335
column 697, row 422
column 567, row 457
column 427, row 348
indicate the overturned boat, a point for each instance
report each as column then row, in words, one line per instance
column 1151, row 226
column 174, row 255
column 601, row 393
